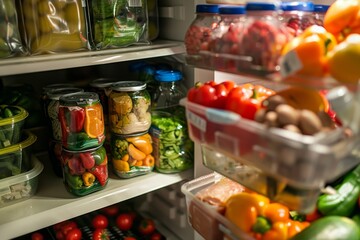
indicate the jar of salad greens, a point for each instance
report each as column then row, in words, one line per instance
column 82, row 121
column 173, row 149
column 129, row 107
column 85, row 171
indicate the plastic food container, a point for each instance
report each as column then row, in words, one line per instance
column 54, row 26
column 302, row 200
column 263, row 38
column 82, row 121
column 22, row 186
column 198, row 35
column 297, row 16
column 173, row 149
column 118, row 24
column 16, row 158
column 11, row 124
column 85, row 172
column 129, row 108
column 203, row 217
column 10, row 39
column 132, row 154
column 226, row 37
column 302, row 161
column 52, row 108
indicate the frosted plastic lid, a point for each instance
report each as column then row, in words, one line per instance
column 232, row 10
column 168, row 75
column 298, row 6
column 207, row 8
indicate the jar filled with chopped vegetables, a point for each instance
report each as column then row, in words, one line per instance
column 129, row 108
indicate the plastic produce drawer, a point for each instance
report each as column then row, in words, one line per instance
column 303, row 161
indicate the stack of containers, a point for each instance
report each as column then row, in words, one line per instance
column 129, row 122
column 51, row 96
column 19, row 169
column 83, row 156
column 173, row 149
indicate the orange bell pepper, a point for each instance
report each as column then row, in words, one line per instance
column 255, row 215
column 343, row 18
column 306, row 53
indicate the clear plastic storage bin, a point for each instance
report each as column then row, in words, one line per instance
column 302, row 161
column 20, row 187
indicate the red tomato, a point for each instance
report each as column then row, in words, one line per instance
column 100, row 234
column 205, row 95
column 146, row 226
column 67, row 227
column 74, row 234
column 310, row 217
column 59, row 235
column 100, row 221
column 111, row 210
column 124, row 221
column 156, row 236
column 37, row 236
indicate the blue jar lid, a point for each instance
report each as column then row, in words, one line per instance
column 207, row 8
column 321, row 8
column 232, row 9
column 261, row 6
column 168, row 75
column 298, row 6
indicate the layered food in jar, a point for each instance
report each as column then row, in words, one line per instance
column 132, row 154
column 85, row 171
column 81, row 121
column 129, row 108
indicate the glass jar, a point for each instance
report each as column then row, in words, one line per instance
column 52, row 108
column 319, row 13
column 132, row 154
column 173, row 149
column 82, row 121
column 198, row 35
column 129, row 108
column 297, row 16
column 85, row 172
column 226, row 37
column 263, row 38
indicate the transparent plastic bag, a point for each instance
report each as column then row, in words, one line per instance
column 10, row 40
column 118, row 23
column 54, row 26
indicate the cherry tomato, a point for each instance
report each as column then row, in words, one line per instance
column 59, row 235
column 74, row 234
column 37, row 236
column 124, row 221
column 68, row 226
column 146, row 226
column 110, row 210
column 100, row 234
column 100, row 221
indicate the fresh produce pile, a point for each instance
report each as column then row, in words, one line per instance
column 336, row 216
column 117, row 221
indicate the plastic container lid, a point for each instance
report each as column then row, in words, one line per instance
column 31, row 138
column 207, row 8
column 319, row 8
column 261, row 6
column 22, row 177
column 50, row 87
column 129, row 86
column 55, row 94
column 17, row 118
column 79, row 99
column 298, row 6
column 168, row 75
column 103, row 82
column 232, row 10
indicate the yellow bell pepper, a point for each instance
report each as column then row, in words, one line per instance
column 255, row 215
column 88, row 179
column 306, row 54
column 344, row 59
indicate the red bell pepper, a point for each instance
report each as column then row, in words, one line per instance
column 75, row 119
column 246, row 99
column 87, row 160
column 101, row 173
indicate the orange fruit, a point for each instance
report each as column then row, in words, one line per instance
column 94, row 121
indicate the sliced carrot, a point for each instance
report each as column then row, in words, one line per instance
column 94, row 121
